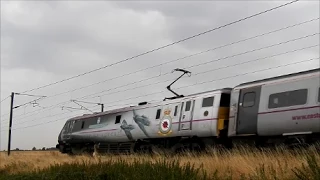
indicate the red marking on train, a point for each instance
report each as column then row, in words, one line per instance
column 310, row 107
column 165, row 124
column 309, row 116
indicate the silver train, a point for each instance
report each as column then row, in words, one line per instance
column 283, row 109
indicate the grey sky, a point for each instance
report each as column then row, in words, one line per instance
column 43, row 42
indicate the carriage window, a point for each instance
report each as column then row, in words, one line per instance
column 175, row 111
column 248, row 99
column 288, row 98
column 118, row 118
column 188, row 105
column 158, row 113
column 207, row 102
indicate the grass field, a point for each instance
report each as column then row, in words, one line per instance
column 240, row 163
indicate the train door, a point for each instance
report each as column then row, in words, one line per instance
column 248, row 110
column 187, row 108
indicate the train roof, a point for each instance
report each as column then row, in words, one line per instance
column 128, row 108
column 272, row 79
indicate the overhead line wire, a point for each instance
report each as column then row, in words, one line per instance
column 44, row 122
column 246, row 52
column 23, row 122
column 165, row 46
column 4, row 99
column 192, row 66
column 206, row 81
column 29, row 95
column 46, row 109
column 19, row 121
column 27, row 103
column 258, row 49
column 188, row 56
column 171, row 61
column 203, row 83
column 215, row 69
column 261, row 70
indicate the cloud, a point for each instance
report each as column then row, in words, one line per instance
column 44, row 42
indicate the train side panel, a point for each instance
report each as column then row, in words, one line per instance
column 140, row 123
column 205, row 117
column 200, row 115
column 194, row 116
column 290, row 107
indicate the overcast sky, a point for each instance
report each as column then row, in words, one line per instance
column 44, row 42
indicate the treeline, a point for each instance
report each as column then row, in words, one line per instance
column 35, row 149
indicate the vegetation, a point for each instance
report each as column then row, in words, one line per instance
column 241, row 163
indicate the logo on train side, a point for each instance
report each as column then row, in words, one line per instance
column 165, row 123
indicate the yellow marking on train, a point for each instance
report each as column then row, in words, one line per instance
column 223, row 115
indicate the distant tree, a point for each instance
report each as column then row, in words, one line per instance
column 17, row 149
column 43, row 149
column 51, row 148
column 34, row 148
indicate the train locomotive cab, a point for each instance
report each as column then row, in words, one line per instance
column 63, row 137
column 69, row 140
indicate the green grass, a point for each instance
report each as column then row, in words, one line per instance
column 119, row 169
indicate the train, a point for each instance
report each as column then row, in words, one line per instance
column 283, row 109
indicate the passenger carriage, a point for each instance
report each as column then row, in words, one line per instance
column 284, row 106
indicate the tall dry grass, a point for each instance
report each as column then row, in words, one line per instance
column 273, row 163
